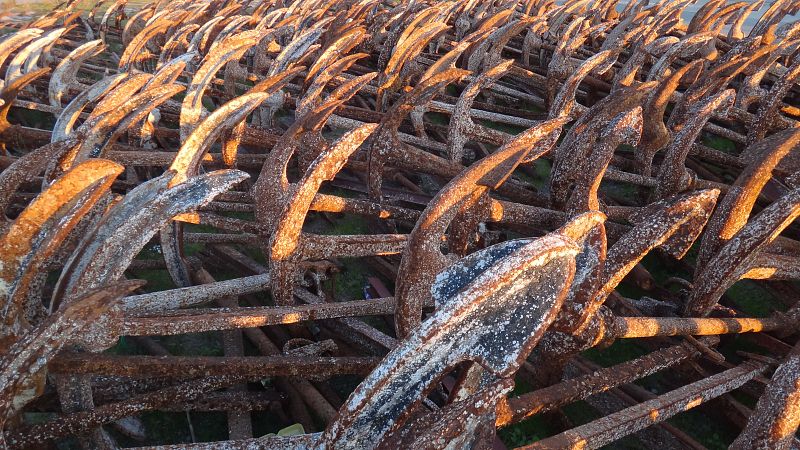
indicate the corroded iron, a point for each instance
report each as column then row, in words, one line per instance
column 387, row 214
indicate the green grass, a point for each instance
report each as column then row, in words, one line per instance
column 752, row 299
column 349, row 283
column 504, row 127
column 199, row 228
column 344, row 193
column 620, row 351
column 713, row 434
column 452, row 90
column 719, row 143
column 541, row 168
column 32, row 118
column 622, row 191
column 526, row 432
column 437, row 118
column 157, row 280
column 172, row 427
column 194, row 344
column 123, row 347
column 347, row 224
column 255, row 254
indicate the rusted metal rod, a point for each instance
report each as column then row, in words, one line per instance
column 194, row 295
column 639, row 327
column 186, row 367
column 615, row 426
column 199, row 320
column 81, row 422
column 546, row 399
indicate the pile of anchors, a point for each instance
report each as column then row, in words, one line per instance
column 528, row 180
